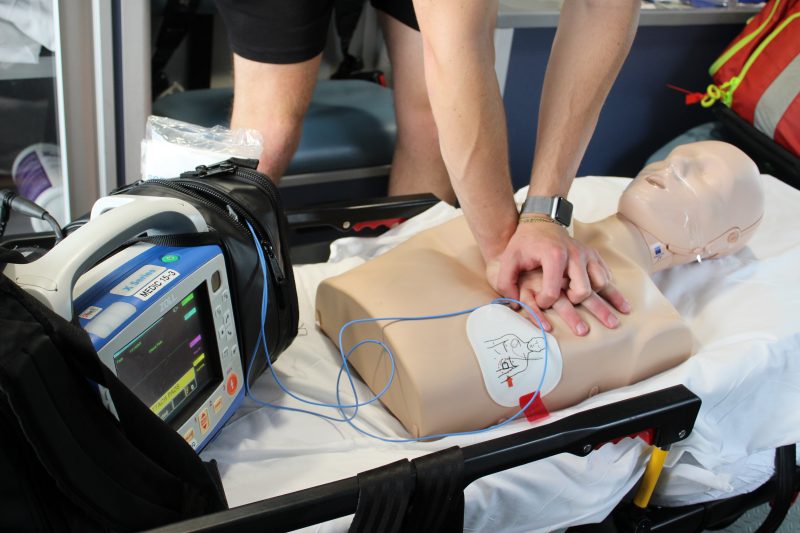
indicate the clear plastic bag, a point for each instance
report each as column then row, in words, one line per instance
column 171, row 146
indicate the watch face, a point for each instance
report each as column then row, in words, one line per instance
column 563, row 211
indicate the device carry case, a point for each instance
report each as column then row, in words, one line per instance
column 66, row 463
column 232, row 195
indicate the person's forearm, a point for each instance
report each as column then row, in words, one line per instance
column 591, row 43
column 468, row 110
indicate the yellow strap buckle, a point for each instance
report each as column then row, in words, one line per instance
column 723, row 93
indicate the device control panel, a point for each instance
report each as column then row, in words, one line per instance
column 163, row 322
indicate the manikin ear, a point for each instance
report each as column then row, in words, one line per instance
column 726, row 243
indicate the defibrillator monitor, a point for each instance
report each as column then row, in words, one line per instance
column 161, row 319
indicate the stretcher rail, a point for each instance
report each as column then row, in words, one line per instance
column 670, row 412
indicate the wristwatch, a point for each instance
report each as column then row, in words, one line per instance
column 555, row 207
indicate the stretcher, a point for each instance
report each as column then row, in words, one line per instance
column 727, row 415
column 285, row 470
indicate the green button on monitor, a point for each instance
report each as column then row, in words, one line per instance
column 170, row 258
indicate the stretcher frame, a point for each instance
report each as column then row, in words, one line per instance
column 662, row 418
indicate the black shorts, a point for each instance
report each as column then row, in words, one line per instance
column 290, row 31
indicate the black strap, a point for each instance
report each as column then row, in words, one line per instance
column 177, row 240
column 383, row 496
column 438, row 502
column 426, row 494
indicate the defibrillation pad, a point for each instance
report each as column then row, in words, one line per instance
column 161, row 319
column 511, row 353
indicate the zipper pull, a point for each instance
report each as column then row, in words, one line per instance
column 232, row 213
column 204, row 171
column 245, row 162
column 275, row 266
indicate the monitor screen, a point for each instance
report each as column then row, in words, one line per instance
column 174, row 359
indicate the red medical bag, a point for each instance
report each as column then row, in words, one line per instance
column 758, row 74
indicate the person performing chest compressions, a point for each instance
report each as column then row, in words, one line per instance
column 705, row 200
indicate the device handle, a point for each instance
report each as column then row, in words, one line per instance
column 52, row 277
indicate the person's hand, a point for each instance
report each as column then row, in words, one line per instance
column 547, row 246
column 597, row 304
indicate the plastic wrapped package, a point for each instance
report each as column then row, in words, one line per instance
column 171, row 146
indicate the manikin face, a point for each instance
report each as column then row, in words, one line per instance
column 703, row 200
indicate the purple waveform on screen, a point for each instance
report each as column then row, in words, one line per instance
column 195, row 341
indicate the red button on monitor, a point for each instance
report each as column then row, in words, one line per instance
column 233, row 384
column 204, row 421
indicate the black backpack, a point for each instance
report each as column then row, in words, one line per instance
column 66, row 463
column 229, row 195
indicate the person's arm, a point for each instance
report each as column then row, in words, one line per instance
column 468, row 110
column 591, row 43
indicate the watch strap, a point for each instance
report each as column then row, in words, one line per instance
column 556, row 207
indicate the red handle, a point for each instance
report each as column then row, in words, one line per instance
column 375, row 224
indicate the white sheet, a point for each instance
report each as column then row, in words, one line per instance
column 743, row 310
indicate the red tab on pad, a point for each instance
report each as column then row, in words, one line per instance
column 536, row 410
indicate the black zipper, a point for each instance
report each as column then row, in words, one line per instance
column 169, row 184
column 240, row 211
column 247, row 173
column 262, row 183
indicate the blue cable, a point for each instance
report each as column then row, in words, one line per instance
column 261, row 341
column 345, row 367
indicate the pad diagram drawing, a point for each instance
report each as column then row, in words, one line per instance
column 514, row 355
column 510, row 351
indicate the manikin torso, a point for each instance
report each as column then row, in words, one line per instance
column 439, row 386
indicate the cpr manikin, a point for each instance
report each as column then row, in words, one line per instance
column 464, row 373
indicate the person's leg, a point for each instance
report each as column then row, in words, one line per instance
column 273, row 99
column 417, row 166
column 276, row 46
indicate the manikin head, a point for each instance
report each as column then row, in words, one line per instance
column 703, row 201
